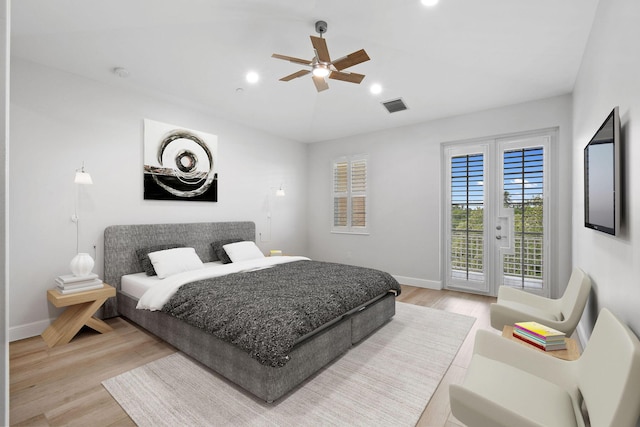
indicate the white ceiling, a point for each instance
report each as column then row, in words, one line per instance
column 459, row 57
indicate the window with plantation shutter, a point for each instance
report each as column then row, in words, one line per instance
column 350, row 195
column 340, row 193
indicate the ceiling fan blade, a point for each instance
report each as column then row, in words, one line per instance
column 291, row 59
column 320, row 83
column 351, row 60
column 346, row 77
column 295, row 75
column 320, row 45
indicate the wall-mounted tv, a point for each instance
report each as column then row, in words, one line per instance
column 602, row 177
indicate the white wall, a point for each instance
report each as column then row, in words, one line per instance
column 609, row 76
column 59, row 120
column 405, row 189
column 5, row 35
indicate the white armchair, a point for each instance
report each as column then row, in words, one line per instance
column 563, row 314
column 508, row 384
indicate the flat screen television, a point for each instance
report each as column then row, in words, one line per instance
column 602, row 177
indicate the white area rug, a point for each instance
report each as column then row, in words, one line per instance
column 387, row 380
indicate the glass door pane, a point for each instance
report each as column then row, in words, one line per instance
column 523, row 193
column 466, row 219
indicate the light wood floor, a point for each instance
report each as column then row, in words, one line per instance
column 62, row 385
column 438, row 412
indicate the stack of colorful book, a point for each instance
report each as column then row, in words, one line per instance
column 69, row 284
column 539, row 335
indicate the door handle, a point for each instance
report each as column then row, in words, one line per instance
column 505, row 225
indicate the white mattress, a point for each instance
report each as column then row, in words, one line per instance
column 138, row 283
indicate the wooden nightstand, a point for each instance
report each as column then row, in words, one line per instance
column 571, row 353
column 82, row 306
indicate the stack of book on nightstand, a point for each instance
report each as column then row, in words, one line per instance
column 69, row 284
column 539, row 335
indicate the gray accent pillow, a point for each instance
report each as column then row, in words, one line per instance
column 218, row 249
column 143, row 256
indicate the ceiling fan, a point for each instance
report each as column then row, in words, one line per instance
column 321, row 65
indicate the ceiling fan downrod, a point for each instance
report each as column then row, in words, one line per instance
column 321, row 27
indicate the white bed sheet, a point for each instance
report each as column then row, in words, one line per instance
column 159, row 291
column 138, row 283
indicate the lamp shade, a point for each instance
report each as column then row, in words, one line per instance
column 83, row 178
column 280, row 192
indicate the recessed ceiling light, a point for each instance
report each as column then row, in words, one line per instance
column 429, row 3
column 375, row 89
column 252, row 77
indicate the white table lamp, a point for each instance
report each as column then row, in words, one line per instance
column 82, row 263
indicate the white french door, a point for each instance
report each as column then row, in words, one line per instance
column 496, row 214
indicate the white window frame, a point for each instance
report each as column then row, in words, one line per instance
column 350, row 194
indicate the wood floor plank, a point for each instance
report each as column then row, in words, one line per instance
column 62, row 386
column 39, row 420
column 95, row 407
column 438, row 410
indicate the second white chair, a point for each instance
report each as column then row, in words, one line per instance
column 508, row 384
column 563, row 314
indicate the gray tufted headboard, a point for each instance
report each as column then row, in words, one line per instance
column 122, row 241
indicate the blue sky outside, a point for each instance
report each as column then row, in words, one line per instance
column 523, row 177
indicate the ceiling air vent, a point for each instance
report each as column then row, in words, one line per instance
column 395, row 105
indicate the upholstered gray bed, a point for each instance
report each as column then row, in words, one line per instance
column 308, row 354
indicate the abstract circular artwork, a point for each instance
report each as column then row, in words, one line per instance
column 180, row 164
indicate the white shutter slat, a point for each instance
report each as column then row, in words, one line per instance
column 340, row 177
column 340, row 211
column 350, row 194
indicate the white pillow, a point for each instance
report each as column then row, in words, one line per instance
column 242, row 251
column 172, row 261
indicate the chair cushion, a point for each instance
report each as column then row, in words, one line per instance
column 532, row 397
column 524, row 308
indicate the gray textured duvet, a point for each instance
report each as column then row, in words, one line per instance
column 265, row 312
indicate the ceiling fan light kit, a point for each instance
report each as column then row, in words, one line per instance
column 321, row 65
column 321, row 70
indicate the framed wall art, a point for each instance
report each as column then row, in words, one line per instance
column 179, row 163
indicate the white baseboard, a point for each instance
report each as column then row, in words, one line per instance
column 29, row 330
column 420, row 283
